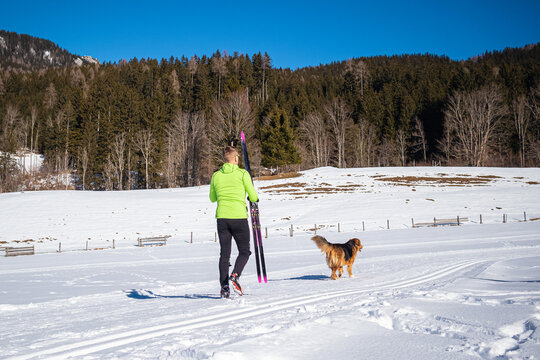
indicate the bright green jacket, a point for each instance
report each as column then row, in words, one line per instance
column 228, row 187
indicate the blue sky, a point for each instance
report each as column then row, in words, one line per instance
column 294, row 33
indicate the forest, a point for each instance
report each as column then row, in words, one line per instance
column 149, row 123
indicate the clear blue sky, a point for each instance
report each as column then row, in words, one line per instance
column 294, row 33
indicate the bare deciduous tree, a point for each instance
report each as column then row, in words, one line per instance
column 144, row 141
column 266, row 64
column 472, row 118
column 219, row 66
column 340, row 121
column 402, row 146
column 419, row 135
column 230, row 116
column 193, row 67
column 9, row 138
column 446, row 144
column 175, row 84
column 50, row 96
column 364, row 143
column 33, row 141
column 521, row 120
column 109, row 173
column 84, row 165
column 177, row 143
column 314, row 132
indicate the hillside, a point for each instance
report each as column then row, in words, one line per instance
column 24, row 53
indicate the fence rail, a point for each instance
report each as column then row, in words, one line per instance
column 289, row 230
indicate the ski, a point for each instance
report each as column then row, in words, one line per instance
column 255, row 222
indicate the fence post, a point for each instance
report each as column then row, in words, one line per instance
column 315, row 229
column 86, row 245
column 60, row 247
column 412, row 221
column 388, row 224
column 113, row 244
column 480, row 219
column 338, row 227
column 215, row 237
column 266, row 233
column 435, row 222
column 291, row 231
column 524, row 216
column 363, row 226
column 458, row 220
column 504, row 218
column 191, row 238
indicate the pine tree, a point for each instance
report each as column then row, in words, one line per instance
column 278, row 140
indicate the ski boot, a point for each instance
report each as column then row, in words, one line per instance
column 225, row 292
column 234, row 279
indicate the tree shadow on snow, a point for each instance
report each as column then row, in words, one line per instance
column 147, row 294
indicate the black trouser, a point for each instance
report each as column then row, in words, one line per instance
column 239, row 229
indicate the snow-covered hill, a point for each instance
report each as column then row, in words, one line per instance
column 455, row 292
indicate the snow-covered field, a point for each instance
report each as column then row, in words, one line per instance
column 448, row 292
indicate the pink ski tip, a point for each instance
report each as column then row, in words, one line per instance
column 243, row 139
column 259, row 279
column 265, row 281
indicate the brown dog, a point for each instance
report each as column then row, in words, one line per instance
column 339, row 255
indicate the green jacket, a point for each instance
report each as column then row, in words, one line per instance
column 228, row 187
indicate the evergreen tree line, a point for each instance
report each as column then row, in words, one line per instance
column 150, row 124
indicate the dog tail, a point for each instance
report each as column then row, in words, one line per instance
column 322, row 243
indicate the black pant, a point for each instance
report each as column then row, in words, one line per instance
column 239, row 229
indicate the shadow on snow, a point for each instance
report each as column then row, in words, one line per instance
column 147, row 294
column 310, row 277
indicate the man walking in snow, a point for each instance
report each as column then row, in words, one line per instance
column 228, row 187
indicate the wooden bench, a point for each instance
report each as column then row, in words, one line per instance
column 16, row 251
column 443, row 222
column 156, row 240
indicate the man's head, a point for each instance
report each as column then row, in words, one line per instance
column 230, row 155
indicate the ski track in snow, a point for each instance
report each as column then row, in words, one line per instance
column 122, row 339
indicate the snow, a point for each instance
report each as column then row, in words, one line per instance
column 29, row 161
column 47, row 56
column 446, row 292
column 85, row 59
column 90, row 59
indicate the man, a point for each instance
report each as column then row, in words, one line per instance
column 228, row 187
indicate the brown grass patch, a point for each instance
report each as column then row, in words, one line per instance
column 287, row 175
column 533, row 183
column 351, row 186
column 456, row 181
column 489, row 177
column 534, row 219
column 288, row 185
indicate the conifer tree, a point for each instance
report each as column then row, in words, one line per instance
column 278, row 140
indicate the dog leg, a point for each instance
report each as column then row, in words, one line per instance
column 340, row 271
column 349, row 270
column 334, row 276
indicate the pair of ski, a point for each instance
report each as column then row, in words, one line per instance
column 255, row 223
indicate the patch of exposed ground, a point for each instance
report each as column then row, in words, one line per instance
column 441, row 180
column 287, row 175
